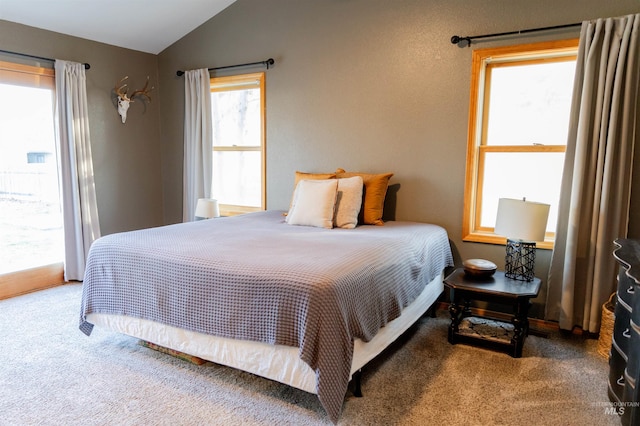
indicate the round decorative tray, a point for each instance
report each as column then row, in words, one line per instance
column 480, row 268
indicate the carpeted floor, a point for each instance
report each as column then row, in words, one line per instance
column 52, row 374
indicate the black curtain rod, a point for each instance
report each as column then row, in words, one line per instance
column 266, row 63
column 42, row 58
column 457, row 39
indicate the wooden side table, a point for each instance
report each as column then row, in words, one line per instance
column 465, row 328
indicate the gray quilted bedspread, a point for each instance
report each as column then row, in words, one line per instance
column 254, row 277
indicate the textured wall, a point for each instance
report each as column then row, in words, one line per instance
column 126, row 157
column 369, row 85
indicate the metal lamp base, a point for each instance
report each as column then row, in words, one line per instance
column 520, row 260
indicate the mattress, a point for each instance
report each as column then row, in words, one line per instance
column 276, row 362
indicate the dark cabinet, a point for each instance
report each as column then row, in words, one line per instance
column 624, row 362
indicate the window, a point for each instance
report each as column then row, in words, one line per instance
column 237, row 104
column 31, row 232
column 518, row 126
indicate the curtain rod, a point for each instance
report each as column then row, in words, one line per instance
column 42, row 58
column 266, row 63
column 458, row 40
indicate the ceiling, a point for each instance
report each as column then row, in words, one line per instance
column 144, row 25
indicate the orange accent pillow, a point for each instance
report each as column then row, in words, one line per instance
column 314, row 176
column 375, row 190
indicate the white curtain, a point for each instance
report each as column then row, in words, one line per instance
column 79, row 208
column 198, row 141
column 596, row 185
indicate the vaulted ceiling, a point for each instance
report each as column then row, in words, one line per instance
column 144, row 25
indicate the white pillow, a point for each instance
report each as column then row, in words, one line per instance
column 348, row 202
column 313, row 203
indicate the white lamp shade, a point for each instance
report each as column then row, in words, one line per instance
column 522, row 220
column 207, row 208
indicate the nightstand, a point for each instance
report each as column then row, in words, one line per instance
column 486, row 332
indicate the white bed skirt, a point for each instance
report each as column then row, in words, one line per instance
column 275, row 362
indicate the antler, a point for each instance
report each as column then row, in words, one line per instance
column 143, row 91
column 118, row 90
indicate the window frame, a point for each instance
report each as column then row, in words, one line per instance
column 43, row 276
column 483, row 61
column 233, row 82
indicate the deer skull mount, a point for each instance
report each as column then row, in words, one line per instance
column 125, row 99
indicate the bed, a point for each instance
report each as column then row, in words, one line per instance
column 306, row 306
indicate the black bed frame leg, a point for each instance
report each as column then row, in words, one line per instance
column 357, row 383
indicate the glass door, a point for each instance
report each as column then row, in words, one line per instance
column 31, row 231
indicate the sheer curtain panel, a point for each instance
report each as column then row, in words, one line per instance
column 198, row 141
column 596, row 185
column 79, row 208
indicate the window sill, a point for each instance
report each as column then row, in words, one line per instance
column 233, row 210
column 491, row 238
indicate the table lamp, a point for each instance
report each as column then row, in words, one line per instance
column 523, row 223
column 207, row 208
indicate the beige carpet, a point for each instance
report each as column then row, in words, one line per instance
column 52, row 374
